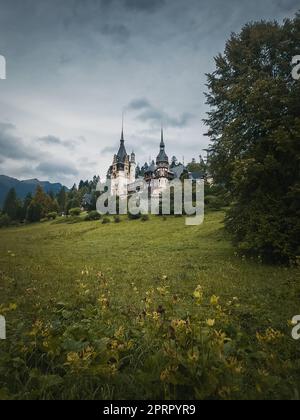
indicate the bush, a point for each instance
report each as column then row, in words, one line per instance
column 52, row 215
column 92, row 216
column 117, row 219
column 134, row 216
column 5, row 220
column 106, row 221
column 263, row 229
column 75, row 211
column 145, row 218
column 213, row 202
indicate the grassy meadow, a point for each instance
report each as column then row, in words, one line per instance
column 143, row 310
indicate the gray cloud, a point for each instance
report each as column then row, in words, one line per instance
column 152, row 114
column 56, row 141
column 118, row 32
column 138, row 104
column 109, row 150
column 12, row 146
column 57, row 169
column 144, row 5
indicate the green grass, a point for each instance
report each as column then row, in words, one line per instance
column 49, row 266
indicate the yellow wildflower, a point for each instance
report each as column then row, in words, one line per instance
column 214, row 300
column 210, row 322
column 156, row 316
column 193, row 355
column 198, row 293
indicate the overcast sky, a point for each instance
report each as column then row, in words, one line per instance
column 73, row 66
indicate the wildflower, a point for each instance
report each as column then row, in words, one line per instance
column 270, row 336
column 193, row 355
column 210, row 322
column 198, row 294
column 156, row 316
column 88, row 353
column 113, row 370
column 225, row 392
column 214, row 300
column 164, row 376
column 120, row 332
column 263, row 372
column 73, row 358
column 162, row 290
column 176, row 299
column 234, row 365
column 104, row 302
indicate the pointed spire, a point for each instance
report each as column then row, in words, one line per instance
column 122, row 134
column 162, row 143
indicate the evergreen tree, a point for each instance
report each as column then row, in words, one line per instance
column 254, row 125
column 62, row 200
column 34, row 212
column 11, row 204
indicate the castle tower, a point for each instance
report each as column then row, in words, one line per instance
column 123, row 169
column 162, row 160
column 132, row 172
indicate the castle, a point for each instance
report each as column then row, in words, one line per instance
column 124, row 172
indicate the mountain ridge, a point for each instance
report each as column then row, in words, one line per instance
column 26, row 186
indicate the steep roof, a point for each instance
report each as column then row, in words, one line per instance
column 122, row 154
column 162, row 156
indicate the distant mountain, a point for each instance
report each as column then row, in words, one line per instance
column 24, row 187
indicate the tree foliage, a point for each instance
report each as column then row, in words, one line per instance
column 254, row 126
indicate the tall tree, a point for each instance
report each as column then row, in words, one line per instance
column 254, row 126
column 11, row 204
column 62, row 200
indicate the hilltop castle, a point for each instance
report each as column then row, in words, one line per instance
column 124, row 171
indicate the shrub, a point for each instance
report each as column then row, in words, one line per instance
column 93, row 215
column 5, row 220
column 52, row 215
column 106, row 221
column 75, row 211
column 134, row 216
column 213, row 202
column 117, row 219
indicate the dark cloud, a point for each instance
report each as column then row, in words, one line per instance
column 144, row 5
column 12, row 146
column 138, row 104
column 287, row 5
column 51, row 140
column 56, row 141
column 152, row 114
column 118, row 32
column 56, row 169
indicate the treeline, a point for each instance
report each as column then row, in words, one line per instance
column 42, row 205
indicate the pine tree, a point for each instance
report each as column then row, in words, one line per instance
column 62, row 200
column 11, row 204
